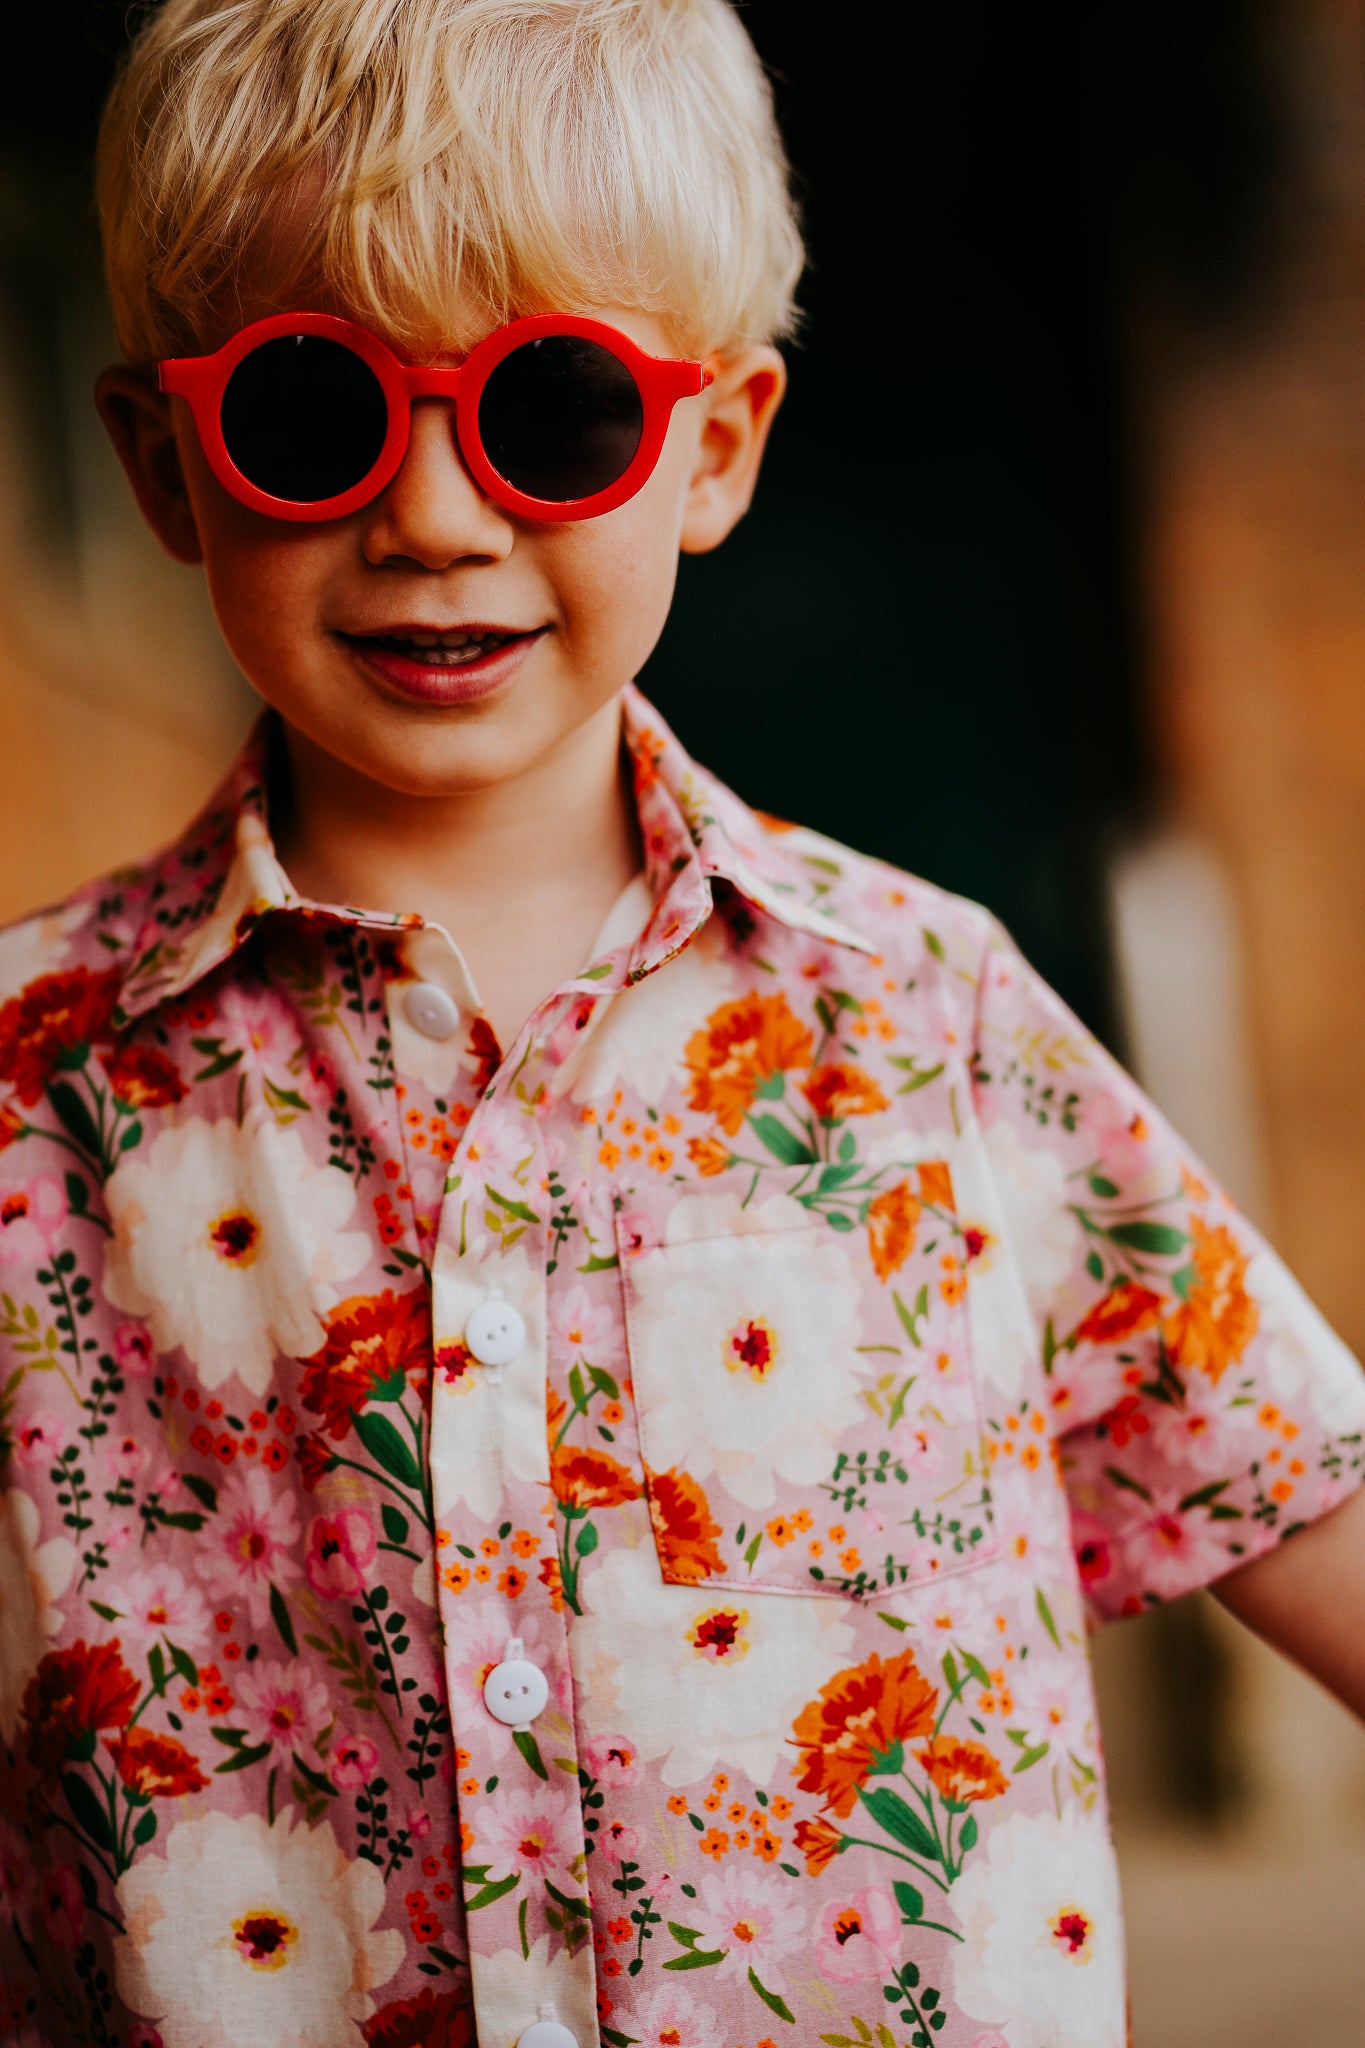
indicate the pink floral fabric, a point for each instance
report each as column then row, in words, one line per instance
column 871, row 1327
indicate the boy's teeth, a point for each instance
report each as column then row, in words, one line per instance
column 437, row 649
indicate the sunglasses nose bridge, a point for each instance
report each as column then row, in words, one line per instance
column 427, row 381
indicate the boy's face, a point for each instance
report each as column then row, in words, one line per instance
column 306, row 607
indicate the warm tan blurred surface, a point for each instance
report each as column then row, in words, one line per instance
column 118, row 704
column 1254, row 889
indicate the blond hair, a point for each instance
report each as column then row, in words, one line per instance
column 436, row 166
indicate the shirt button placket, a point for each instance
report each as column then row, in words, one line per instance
column 490, row 1468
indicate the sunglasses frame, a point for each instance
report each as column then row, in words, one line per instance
column 660, row 380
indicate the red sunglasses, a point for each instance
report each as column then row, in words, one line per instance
column 306, row 416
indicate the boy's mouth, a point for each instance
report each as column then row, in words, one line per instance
column 443, row 665
column 454, row 649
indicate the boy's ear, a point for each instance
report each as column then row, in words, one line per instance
column 741, row 405
column 139, row 423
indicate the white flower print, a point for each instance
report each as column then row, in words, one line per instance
column 744, row 1355
column 230, row 1241
column 1031, row 1181
column 511, row 1988
column 1039, row 1906
column 755, row 1917
column 244, row 1935
column 476, row 1646
column 745, row 1664
column 636, row 1045
column 33, row 1576
column 1052, row 1705
column 248, row 1545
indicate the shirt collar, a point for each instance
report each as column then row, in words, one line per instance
column 208, row 892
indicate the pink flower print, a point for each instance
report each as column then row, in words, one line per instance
column 63, row 1906
column 1094, row 1558
column 39, row 1437
column 133, row 1350
column 125, row 1458
column 282, row 1704
column 858, row 1937
column 1173, row 1552
column 750, row 1915
column 992, row 2038
column 674, row 2018
column 143, row 2036
column 353, row 1762
column 917, row 1449
column 566, row 1033
column 117, row 1534
column 612, row 1759
column 17, row 1876
column 484, row 1634
column 248, row 1549
column 639, row 1232
column 341, row 1549
column 419, row 1821
column 30, row 1217
column 618, row 1843
column 160, row 1602
column 530, row 1831
column 323, row 1075
column 583, row 1328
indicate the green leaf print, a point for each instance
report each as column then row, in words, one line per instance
column 785, row 1145
column 387, row 1448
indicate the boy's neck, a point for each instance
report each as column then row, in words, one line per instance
column 520, row 874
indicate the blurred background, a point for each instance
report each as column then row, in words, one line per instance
column 1054, row 592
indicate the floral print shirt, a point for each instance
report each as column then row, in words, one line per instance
column 594, row 1535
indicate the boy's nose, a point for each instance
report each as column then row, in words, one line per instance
column 433, row 512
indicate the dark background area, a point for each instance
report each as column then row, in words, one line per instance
column 925, row 639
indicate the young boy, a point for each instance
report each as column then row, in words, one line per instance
column 575, row 1358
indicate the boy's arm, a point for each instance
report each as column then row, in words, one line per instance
column 1307, row 1598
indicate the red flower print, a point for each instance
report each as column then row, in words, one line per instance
column 143, row 1078
column 1125, row 1310
column 740, row 1047
column 858, row 1717
column 818, row 1842
column 485, row 1051
column 684, row 1528
column 52, row 1016
column 315, row 1460
column 156, row 1765
column 369, row 1340
column 72, row 1692
column 433, row 2019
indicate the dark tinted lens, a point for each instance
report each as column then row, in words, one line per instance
column 304, row 418
column 560, row 418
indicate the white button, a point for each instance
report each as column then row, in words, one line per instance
column 546, row 2034
column 430, row 1010
column 514, row 1691
column 495, row 1331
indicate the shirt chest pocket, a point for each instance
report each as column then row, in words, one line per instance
column 808, row 1420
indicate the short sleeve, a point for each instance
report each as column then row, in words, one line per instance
column 1202, row 1407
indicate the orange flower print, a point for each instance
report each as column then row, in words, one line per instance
column 892, row 1220
column 709, row 1156
column 818, row 1842
column 962, row 1770
column 1125, row 1310
column 936, row 1185
column 583, row 1478
column 742, row 1045
column 858, row 1716
column 552, row 1578
column 835, row 1092
column 1212, row 1327
column 684, row 1529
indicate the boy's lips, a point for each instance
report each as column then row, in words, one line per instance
column 443, row 664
